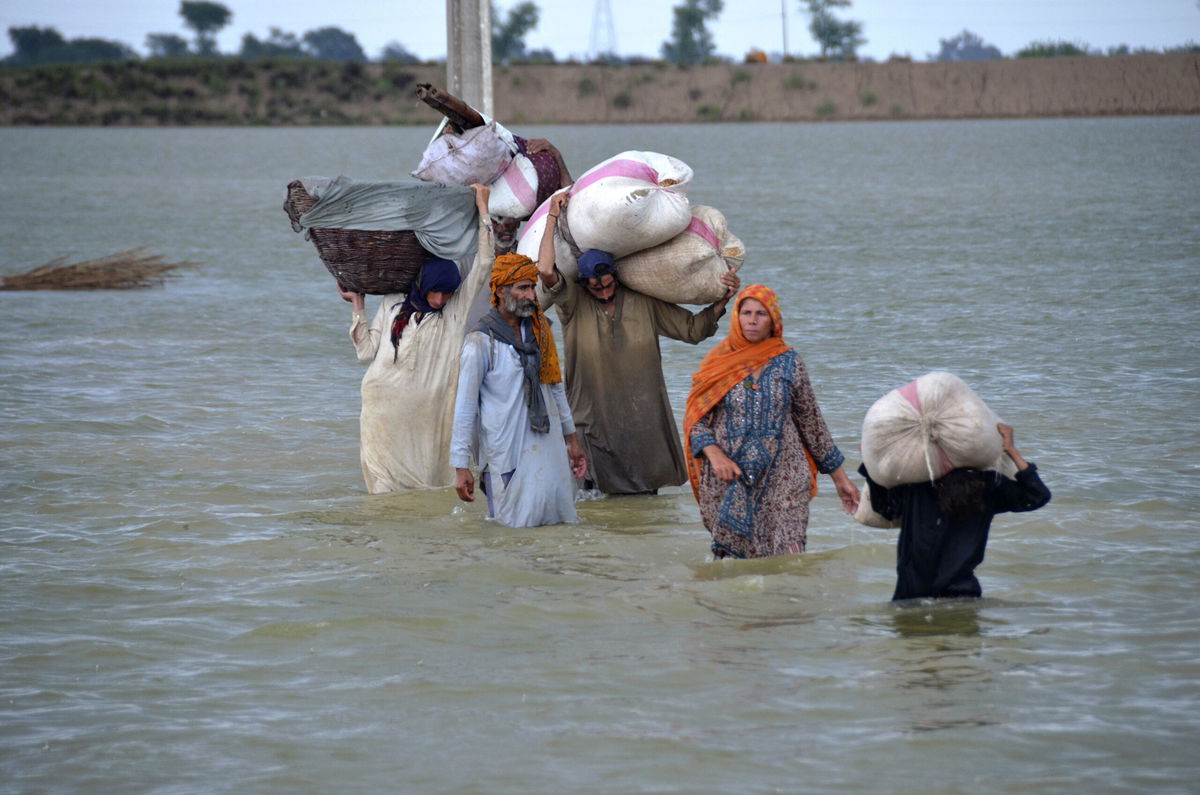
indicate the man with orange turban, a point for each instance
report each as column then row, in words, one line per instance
column 510, row 413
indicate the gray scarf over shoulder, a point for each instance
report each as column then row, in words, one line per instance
column 495, row 326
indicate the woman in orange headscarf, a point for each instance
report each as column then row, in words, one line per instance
column 757, row 438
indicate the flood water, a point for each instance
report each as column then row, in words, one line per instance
column 199, row 596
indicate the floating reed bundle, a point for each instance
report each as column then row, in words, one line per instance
column 362, row 261
column 125, row 270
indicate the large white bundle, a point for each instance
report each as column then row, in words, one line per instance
column 514, row 193
column 629, row 202
column 480, row 154
column 687, row 268
column 922, row 430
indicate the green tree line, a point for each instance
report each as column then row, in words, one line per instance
column 690, row 41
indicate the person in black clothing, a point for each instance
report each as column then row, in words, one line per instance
column 944, row 524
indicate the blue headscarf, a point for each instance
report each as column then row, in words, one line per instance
column 594, row 263
column 437, row 275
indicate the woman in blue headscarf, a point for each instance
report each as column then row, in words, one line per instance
column 412, row 346
column 437, row 281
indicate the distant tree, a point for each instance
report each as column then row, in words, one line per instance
column 1052, row 49
column 543, row 55
column 508, row 37
column 838, row 38
column 691, row 42
column 166, row 45
column 90, row 50
column 278, row 45
column 966, row 46
column 34, row 46
column 333, row 44
column 206, row 19
column 398, row 53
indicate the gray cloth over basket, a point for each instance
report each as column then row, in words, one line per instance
column 443, row 217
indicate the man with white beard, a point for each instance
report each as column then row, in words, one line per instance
column 510, row 414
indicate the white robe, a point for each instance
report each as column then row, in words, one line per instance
column 408, row 390
column 491, row 427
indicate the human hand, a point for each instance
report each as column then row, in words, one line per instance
column 732, row 282
column 355, row 299
column 724, row 467
column 576, row 457
column 464, row 484
column 1006, row 436
column 558, row 203
column 535, row 145
column 847, row 491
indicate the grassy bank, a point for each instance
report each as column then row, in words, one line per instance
column 288, row 92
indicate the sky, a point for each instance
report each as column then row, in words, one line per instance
column 902, row 27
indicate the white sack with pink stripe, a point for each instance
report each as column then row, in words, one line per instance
column 922, row 430
column 687, row 268
column 630, row 202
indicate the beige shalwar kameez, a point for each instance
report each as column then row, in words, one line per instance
column 615, row 384
column 408, row 390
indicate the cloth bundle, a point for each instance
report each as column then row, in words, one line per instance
column 687, row 268
column 634, row 206
column 514, row 193
column 922, row 430
column 490, row 155
column 479, row 154
column 630, row 202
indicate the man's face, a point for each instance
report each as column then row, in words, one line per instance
column 603, row 288
column 519, row 299
column 505, row 232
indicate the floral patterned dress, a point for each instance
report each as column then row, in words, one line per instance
column 764, row 425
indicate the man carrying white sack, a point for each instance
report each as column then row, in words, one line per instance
column 614, row 367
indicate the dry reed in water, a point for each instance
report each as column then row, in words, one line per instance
column 126, row 270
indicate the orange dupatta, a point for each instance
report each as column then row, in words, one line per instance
column 732, row 361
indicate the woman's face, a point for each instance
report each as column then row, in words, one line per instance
column 437, row 299
column 755, row 320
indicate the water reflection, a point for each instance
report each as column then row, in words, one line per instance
column 926, row 618
column 942, row 664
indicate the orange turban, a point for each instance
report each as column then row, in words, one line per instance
column 510, row 269
column 728, row 364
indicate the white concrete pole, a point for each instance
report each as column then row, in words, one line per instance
column 469, row 52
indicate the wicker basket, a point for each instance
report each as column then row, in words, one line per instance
column 376, row 263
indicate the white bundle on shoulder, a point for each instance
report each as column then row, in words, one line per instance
column 514, row 193
column 630, row 202
column 479, row 154
column 687, row 268
column 924, row 429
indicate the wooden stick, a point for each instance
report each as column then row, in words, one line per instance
column 459, row 113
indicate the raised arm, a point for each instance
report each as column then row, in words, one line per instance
column 1009, row 447
column 545, row 261
column 1027, row 492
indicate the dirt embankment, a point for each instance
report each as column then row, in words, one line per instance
column 231, row 92
column 1141, row 85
